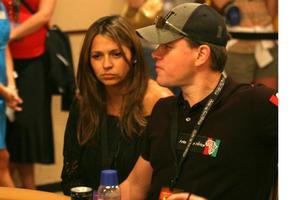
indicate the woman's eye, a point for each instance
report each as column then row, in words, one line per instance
column 117, row 54
column 96, row 56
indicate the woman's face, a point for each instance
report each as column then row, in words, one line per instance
column 107, row 61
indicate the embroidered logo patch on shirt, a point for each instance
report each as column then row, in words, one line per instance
column 274, row 99
column 205, row 145
column 211, row 147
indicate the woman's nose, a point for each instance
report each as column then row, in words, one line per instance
column 107, row 63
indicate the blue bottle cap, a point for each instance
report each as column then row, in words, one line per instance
column 109, row 178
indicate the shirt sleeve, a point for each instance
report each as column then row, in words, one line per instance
column 152, row 122
column 159, row 118
column 145, row 150
column 71, row 175
column 265, row 106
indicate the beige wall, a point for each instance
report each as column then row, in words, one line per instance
column 71, row 15
column 74, row 15
column 79, row 14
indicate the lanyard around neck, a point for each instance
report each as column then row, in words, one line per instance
column 205, row 110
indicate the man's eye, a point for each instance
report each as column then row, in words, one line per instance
column 167, row 46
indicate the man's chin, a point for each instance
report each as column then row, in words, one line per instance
column 163, row 83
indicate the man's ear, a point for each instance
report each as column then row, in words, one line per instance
column 202, row 54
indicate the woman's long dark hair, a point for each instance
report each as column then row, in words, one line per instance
column 92, row 96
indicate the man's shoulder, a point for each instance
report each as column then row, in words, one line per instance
column 171, row 100
column 244, row 89
column 165, row 104
column 256, row 91
column 248, row 93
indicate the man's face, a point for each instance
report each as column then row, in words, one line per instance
column 175, row 63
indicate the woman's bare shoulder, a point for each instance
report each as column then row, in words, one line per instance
column 153, row 94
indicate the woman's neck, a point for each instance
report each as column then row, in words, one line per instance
column 114, row 101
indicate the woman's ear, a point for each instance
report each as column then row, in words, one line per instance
column 133, row 59
column 202, row 54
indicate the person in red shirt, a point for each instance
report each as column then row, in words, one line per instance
column 30, row 137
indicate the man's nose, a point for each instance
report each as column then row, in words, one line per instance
column 157, row 53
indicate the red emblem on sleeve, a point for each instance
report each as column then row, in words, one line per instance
column 274, row 100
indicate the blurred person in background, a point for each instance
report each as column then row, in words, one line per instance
column 251, row 61
column 142, row 13
column 30, row 137
column 8, row 95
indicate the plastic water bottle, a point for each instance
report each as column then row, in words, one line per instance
column 109, row 186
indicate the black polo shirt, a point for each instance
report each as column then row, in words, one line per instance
column 234, row 155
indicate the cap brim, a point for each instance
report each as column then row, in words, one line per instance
column 157, row 36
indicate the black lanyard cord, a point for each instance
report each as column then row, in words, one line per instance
column 206, row 109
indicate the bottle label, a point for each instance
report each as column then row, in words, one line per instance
column 109, row 193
